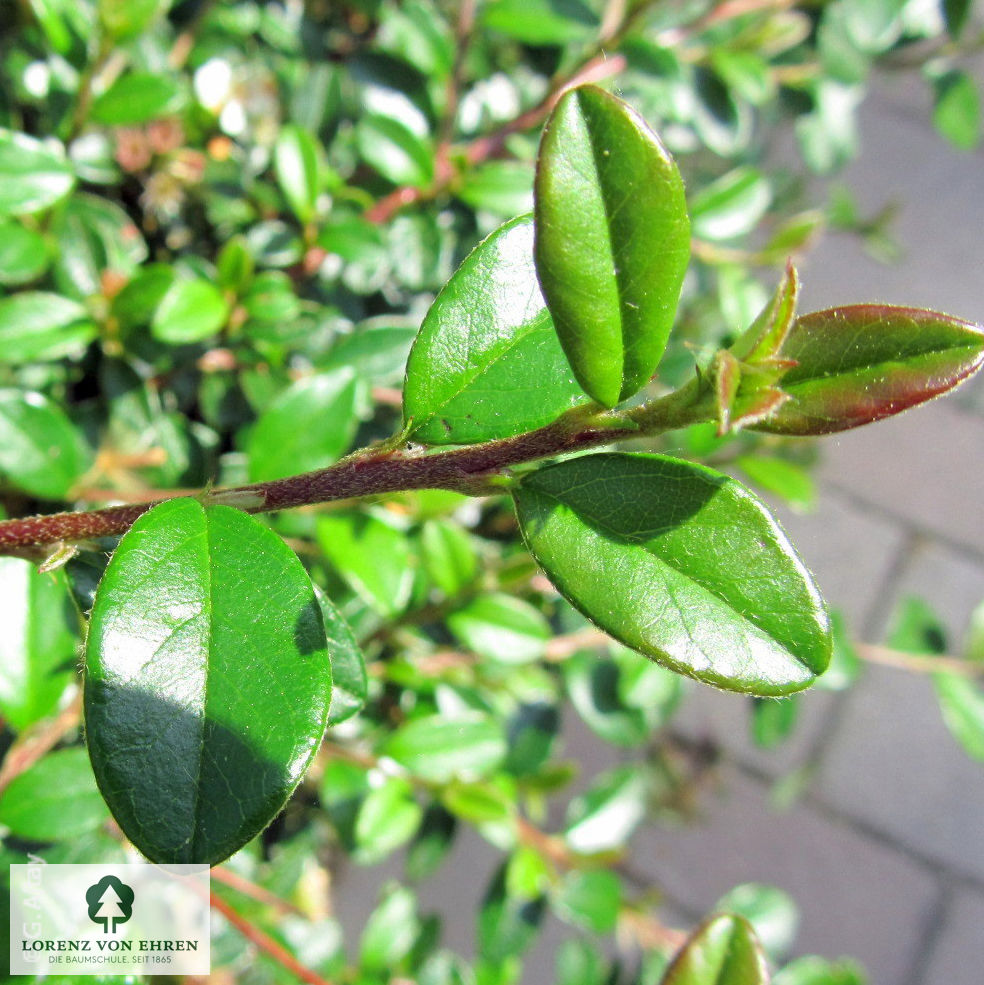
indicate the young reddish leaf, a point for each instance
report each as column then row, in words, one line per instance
column 722, row 951
column 612, row 241
column 863, row 362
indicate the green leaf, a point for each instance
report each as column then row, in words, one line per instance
column 55, row 799
column 33, row 175
column 863, row 362
column 542, row 22
column 612, row 242
column 771, row 912
column 440, row 749
column 603, row 818
column 502, row 628
column 390, row 932
column 593, row 686
column 309, row 426
column 589, row 899
column 732, row 206
column 37, row 646
column 376, row 349
column 845, row 664
column 136, row 98
column 773, row 721
column 350, row 685
column 395, row 151
column 372, row 556
column 388, row 818
column 722, row 951
column 36, row 325
column 448, row 556
column 41, row 451
column 956, row 13
column 487, row 363
column 191, row 311
column 962, row 705
column 507, row 925
column 811, row 970
column 480, row 803
column 296, row 163
column 23, row 254
column 207, row 680
column 433, row 841
column 504, row 188
column 124, row 19
column 681, row 563
column 779, row 476
column 957, row 109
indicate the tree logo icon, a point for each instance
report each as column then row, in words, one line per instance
column 110, row 903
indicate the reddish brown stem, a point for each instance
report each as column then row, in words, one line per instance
column 243, row 885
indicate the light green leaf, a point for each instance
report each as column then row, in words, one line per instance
column 504, row 188
column 603, row 818
column 55, row 799
column 681, row 563
column 124, row 19
column 36, row 325
column 811, row 970
column 136, row 98
column 612, row 241
column 440, row 749
column 962, row 705
column 37, row 645
column 23, row 254
column 957, row 109
column 388, row 818
column 589, row 899
column 390, row 931
column 771, row 912
column 296, row 161
column 448, row 556
column 191, row 311
column 208, row 680
column 722, row 951
column 371, row 555
column 501, row 628
column 41, row 450
column 395, row 151
column 777, row 475
column 308, row 426
column 33, row 175
column 732, row 206
column 487, row 363
column 542, row 22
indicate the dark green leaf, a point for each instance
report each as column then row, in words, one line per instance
column 956, row 12
column 722, row 951
column 190, row 311
column 612, row 241
column 590, row 899
column 309, row 426
column 296, row 162
column 41, row 450
column 501, row 628
column 35, row 325
column 207, row 680
column 138, row 97
column 37, row 646
column 681, row 563
column 55, row 799
column 957, row 109
column 23, row 254
column 395, row 151
column 486, row 363
column 863, row 362
column 372, row 556
column 33, row 175
column 348, row 668
column 440, row 749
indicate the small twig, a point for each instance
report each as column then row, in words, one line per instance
column 34, row 744
column 248, row 888
column 266, row 943
column 919, row 663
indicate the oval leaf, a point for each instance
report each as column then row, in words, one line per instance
column 350, row 685
column 295, row 160
column 23, row 254
column 38, row 325
column 681, row 563
column 207, row 681
column 487, row 363
column 190, row 311
column 612, row 243
column 33, row 176
column 863, row 362
column 722, row 951
column 137, row 98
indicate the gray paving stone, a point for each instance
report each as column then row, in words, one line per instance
column 958, row 957
column 856, row 896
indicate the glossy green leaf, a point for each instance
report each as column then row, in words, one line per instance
column 440, row 749
column 308, row 426
column 863, row 362
column 41, row 451
column 207, row 680
column 350, row 685
column 681, row 563
column 731, row 206
column 191, row 311
column 36, row 325
column 55, row 799
column 395, row 151
column 957, row 109
column 33, row 175
column 24, row 254
column 722, row 951
column 612, row 241
column 371, row 555
column 136, row 98
column 487, row 363
column 501, row 628
column 297, row 166
column 589, row 899
column 37, row 646
column 388, row 818
column 771, row 912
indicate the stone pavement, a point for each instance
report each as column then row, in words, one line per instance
column 884, row 851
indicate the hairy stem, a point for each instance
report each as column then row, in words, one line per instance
column 474, row 470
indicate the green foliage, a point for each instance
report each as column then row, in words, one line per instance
column 228, row 233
